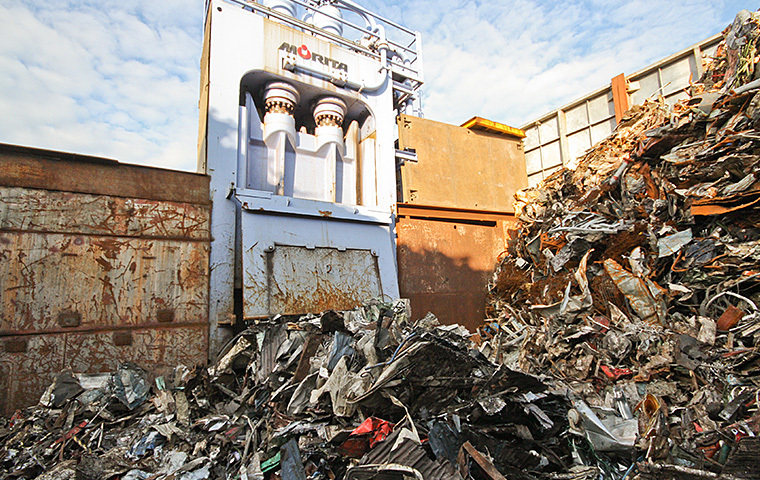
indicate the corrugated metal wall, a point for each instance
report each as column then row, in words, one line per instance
column 557, row 138
column 100, row 263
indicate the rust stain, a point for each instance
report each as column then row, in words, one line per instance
column 325, row 213
column 706, row 209
column 58, row 212
column 327, row 296
column 300, row 280
column 29, row 364
column 104, row 263
column 445, row 264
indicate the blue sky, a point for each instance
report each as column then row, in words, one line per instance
column 120, row 79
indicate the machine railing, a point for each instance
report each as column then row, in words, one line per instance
column 403, row 46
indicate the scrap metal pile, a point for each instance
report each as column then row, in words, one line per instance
column 635, row 280
column 356, row 395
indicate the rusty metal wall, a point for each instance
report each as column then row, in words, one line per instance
column 318, row 279
column 459, row 168
column 446, row 258
column 455, row 215
column 100, row 263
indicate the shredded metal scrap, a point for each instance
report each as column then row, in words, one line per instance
column 658, row 224
column 359, row 394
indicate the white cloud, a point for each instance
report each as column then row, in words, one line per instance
column 513, row 61
column 107, row 78
column 120, row 79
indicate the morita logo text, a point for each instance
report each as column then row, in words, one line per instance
column 304, row 52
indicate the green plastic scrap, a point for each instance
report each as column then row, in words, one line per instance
column 271, row 464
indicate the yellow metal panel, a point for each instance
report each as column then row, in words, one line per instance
column 478, row 123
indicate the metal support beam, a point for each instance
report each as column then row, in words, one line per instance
column 564, row 148
column 698, row 62
column 620, row 96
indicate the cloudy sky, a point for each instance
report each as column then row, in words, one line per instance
column 120, row 78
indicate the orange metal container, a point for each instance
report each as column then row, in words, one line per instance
column 455, row 213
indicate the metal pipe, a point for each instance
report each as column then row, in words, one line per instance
column 703, row 311
column 343, row 41
column 328, row 18
column 341, row 20
column 747, row 87
column 393, row 357
column 376, row 29
column 307, row 27
column 382, row 19
column 368, row 19
column 360, row 87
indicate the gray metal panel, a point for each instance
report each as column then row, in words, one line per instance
column 603, row 130
column 675, row 69
column 708, row 52
column 531, row 138
column 277, row 254
column 676, row 75
column 551, row 155
column 578, row 143
column 600, row 107
column 676, row 97
column 649, row 84
column 534, row 180
column 549, row 130
column 533, row 160
column 577, row 118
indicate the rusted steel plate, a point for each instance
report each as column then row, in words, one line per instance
column 100, row 263
column 644, row 295
column 459, row 168
column 31, row 210
column 25, row 373
column 445, row 265
column 24, row 376
column 721, row 206
column 48, row 280
column 46, row 169
column 301, row 280
column 447, row 213
column 149, row 347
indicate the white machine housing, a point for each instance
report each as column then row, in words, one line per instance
column 298, row 136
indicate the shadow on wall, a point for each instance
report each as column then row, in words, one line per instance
column 225, row 292
column 452, row 288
